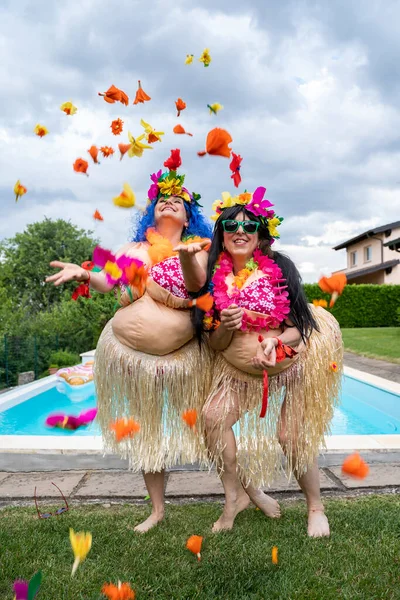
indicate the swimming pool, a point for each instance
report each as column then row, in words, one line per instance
column 364, row 410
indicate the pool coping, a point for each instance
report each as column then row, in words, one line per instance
column 93, row 444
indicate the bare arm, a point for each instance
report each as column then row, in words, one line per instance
column 193, row 260
column 71, row 272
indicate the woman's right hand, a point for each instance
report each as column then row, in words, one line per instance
column 68, row 272
column 231, row 317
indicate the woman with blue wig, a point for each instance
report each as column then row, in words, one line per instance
column 148, row 365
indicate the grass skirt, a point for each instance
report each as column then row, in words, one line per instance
column 155, row 391
column 311, row 390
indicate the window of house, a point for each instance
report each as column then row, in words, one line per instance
column 353, row 259
column 367, row 253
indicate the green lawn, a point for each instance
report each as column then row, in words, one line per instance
column 361, row 560
column 375, row 342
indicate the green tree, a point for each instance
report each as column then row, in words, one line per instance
column 25, row 258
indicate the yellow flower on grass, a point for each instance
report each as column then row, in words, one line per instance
column 151, row 133
column 272, row 226
column 41, row 130
column 81, row 543
column 137, row 147
column 126, row 199
column 68, row 108
column 205, row 58
column 189, row 59
column 170, row 187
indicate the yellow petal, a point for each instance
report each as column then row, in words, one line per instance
column 81, row 543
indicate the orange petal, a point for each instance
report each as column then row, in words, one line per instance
column 123, row 148
column 194, row 545
column 141, row 95
column 190, row 417
column 355, row 466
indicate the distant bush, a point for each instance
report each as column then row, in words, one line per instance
column 363, row 305
column 63, row 358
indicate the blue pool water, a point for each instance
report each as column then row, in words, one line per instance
column 364, row 410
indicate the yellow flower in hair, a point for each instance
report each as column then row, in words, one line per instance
column 272, row 227
column 244, row 198
column 170, row 187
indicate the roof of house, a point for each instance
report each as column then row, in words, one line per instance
column 360, row 272
column 395, row 243
column 367, row 234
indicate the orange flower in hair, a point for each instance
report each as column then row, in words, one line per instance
column 180, row 105
column 122, row 591
column 107, row 151
column 141, row 95
column 334, row 367
column 81, row 166
column 190, row 417
column 194, row 545
column 124, row 428
column 117, row 126
column 94, row 152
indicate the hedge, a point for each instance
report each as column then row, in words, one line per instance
column 363, row 305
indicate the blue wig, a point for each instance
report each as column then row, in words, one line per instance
column 198, row 224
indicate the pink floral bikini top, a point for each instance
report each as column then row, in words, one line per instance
column 168, row 274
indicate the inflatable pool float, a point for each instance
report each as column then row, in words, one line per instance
column 76, row 382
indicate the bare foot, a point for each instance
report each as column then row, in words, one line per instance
column 318, row 525
column 230, row 512
column 265, row 503
column 149, row 523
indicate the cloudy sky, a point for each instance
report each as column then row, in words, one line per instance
column 311, row 97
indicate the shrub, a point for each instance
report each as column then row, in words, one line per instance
column 63, row 358
column 363, row 305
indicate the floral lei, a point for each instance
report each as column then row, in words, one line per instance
column 222, row 299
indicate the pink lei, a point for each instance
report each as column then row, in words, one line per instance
column 280, row 305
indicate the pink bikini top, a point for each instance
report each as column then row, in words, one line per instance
column 258, row 296
column 168, row 274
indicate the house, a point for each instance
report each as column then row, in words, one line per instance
column 373, row 256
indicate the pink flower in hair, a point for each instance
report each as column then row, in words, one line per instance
column 154, row 189
column 258, row 205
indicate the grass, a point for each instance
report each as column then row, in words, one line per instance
column 375, row 342
column 361, row 560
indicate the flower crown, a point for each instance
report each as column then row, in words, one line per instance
column 170, row 183
column 255, row 203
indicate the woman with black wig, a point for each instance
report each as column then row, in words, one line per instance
column 261, row 322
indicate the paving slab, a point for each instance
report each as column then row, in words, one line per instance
column 194, row 483
column 3, row 476
column 282, row 484
column 108, row 485
column 379, row 476
column 22, row 485
column 381, row 368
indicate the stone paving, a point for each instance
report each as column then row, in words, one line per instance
column 182, row 485
column 380, row 368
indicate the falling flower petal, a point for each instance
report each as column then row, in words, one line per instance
column 190, row 417
column 217, row 143
column 214, row 108
column 179, row 129
column 141, row 95
column 27, row 591
column 68, row 108
column 81, row 543
column 180, row 105
column 333, row 285
column 151, row 133
column 117, row 126
column 122, row 591
column 126, row 199
column 81, row 166
column 123, row 149
column 274, row 555
column 97, row 216
column 194, row 545
column 106, row 151
column 189, row 59
column 94, row 152
column 320, row 302
column 136, row 147
column 19, row 190
column 41, row 130
column 124, row 428
column 355, row 466
column 205, row 58
column 235, row 168
column 174, row 161
column 113, row 94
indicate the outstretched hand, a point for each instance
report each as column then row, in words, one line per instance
column 192, row 248
column 266, row 355
column 68, row 272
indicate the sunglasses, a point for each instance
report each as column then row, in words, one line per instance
column 58, row 512
column 231, row 226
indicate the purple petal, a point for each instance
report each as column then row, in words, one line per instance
column 258, row 195
column 102, row 256
column 20, row 589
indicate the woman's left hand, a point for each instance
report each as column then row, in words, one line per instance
column 266, row 355
column 193, row 248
